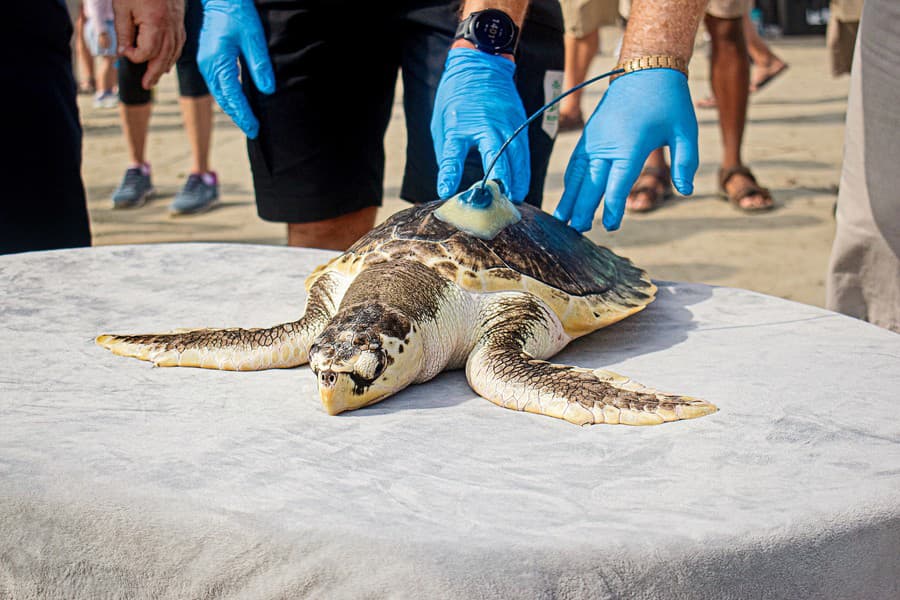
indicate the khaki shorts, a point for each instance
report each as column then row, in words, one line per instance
column 728, row 9
column 582, row 17
column 723, row 9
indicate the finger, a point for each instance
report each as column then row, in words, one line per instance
column 146, row 45
column 180, row 39
column 176, row 45
column 256, row 55
column 589, row 195
column 124, row 30
column 159, row 64
column 519, row 160
column 487, row 147
column 622, row 176
column 225, row 86
column 685, row 160
column 450, row 167
column 572, row 180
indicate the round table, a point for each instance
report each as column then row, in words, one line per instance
column 123, row 480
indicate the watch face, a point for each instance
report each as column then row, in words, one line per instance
column 494, row 29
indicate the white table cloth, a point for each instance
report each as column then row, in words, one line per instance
column 118, row 479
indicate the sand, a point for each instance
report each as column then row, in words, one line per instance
column 793, row 143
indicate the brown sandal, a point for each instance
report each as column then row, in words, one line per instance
column 751, row 189
column 656, row 193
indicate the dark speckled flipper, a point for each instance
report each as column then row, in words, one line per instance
column 503, row 367
column 282, row 346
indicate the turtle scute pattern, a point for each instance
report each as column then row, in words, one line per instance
column 586, row 285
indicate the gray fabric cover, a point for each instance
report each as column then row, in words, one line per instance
column 122, row 480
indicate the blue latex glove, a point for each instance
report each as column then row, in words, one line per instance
column 230, row 28
column 640, row 112
column 477, row 105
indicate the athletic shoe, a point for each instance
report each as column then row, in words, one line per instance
column 135, row 188
column 199, row 194
column 105, row 100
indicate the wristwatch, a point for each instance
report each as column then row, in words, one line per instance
column 491, row 30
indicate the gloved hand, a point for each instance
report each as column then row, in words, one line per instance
column 232, row 27
column 641, row 111
column 477, row 104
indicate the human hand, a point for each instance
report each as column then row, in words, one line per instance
column 103, row 40
column 477, row 104
column 641, row 111
column 160, row 34
column 230, row 28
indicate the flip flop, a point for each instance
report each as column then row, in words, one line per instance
column 755, row 86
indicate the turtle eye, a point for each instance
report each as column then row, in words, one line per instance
column 369, row 365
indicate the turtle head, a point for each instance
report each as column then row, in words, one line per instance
column 363, row 357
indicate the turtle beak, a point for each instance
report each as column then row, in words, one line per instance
column 338, row 393
column 335, row 389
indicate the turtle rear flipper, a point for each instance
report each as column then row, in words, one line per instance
column 279, row 347
column 503, row 368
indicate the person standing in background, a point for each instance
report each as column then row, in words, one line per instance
column 85, row 73
column 864, row 270
column 766, row 65
column 100, row 35
column 840, row 37
column 43, row 205
column 316, row 147
column 730, row 78
column 583, row 20
column 201, row 190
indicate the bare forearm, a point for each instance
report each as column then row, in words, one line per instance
column 514, row 8
column 666, row 27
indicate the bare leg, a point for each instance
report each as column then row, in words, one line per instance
column 766, row 64
column 730, row 77
column 338, row 233
column 86, row 77
column 579, row 54
column 652, row 185
column 135, row 123
column 198, row 119
column 107, row 74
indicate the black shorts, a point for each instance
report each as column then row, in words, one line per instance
column 190, row 81
column 320, row 151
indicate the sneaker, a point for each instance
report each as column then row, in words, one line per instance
column 135, row 188
column 106, row 99
column 199, row 194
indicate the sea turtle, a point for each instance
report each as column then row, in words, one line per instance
column 482, row 284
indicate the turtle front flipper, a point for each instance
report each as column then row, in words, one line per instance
column 504, row 367
column 279, row 347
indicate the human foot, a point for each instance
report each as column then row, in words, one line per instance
column 707, row 102
column 764, row 74
column 570, row 122
column 739, row 187
column 652, row 187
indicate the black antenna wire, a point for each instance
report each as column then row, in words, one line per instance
column 538, row 113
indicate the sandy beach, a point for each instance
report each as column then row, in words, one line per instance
column 793, row 143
